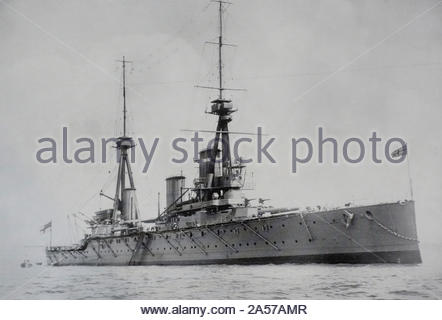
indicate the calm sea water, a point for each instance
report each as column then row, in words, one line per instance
column 287, row 281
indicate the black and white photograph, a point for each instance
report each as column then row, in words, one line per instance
column 282, row 150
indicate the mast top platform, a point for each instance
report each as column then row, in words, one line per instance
column 222, row 107
column 125, row 142
column 221, row 101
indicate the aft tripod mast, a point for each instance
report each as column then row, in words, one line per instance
column 124, row 200
column 123, row 62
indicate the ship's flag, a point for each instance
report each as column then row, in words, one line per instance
column 46, row 226
column 399, row 152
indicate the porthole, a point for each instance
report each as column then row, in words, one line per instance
column 283, row 225
column 314, row 222
column 300, row 223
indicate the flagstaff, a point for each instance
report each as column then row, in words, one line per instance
column 403, row 152
column 409, row 176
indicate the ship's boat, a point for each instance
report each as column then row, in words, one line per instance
column 26, row 264
column 211, row 222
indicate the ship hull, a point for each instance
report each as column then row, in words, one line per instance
column 382, row 233
column 402, row 257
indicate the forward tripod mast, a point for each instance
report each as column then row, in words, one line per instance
column 219, row 182
column 220, row 52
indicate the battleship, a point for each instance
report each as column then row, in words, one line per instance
column 210, row 222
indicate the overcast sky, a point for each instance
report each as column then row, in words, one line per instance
column 352, row 67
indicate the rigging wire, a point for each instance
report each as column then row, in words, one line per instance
column 174, row 37
column 300, row 74
column 95, row 194
column 170, row 53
